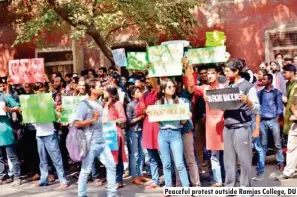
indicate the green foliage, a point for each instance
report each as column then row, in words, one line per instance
column 146, row 18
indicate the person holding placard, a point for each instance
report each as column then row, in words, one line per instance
column 91, row 122
column 169, row 138
column 47, row 143
column 114, row 112
column 215, row 125
column 238, row 126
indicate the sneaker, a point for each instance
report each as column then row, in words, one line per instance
column 16, row 182
column 259, row 177
column 282, row 177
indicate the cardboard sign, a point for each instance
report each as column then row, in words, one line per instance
column 119, row 57
column 26, row 70
column 224, row 99
column 110, row 135
column 166, row 60
column 69, row 108
column 37, row 108
column 216, row 38
column 169, row 112
column 207, row 55
column 137, row 60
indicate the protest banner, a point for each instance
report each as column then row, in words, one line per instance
column 169, row 112
column 137, row 60
column 26, row 70
column 216, row 38
column 110, row 135
column 119, row 57
column 224, row 99
column 207, row 55
column 69, row 108
column 37, row 108
column 185, row 43
column 166, row 60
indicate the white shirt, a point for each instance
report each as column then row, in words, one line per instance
column 44, row 129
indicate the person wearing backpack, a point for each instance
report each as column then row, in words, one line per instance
column 270, row 100
column 89, row 118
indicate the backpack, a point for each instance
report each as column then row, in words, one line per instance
column 76, row 142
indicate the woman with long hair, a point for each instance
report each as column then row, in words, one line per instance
column 169, row 138
column 114, row 112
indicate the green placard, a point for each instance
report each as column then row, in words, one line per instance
column 69, row 108
column 170, row 112
column 207, row 55
column 137, row 60
column 37, row 108
column 215, row 34
column 166, row 60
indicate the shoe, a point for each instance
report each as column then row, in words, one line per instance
column 37, row 184
column 282, row 177
column 143, row 179
column 35, row 177
column 137, row 181
column 8, row 180
column 16, row 182
column 119, row 185
column 98, row 182
column 217, row 185
column 152, row 186
column 281, row 167
column 51, row 178
column 259, row 177
column 63, row 186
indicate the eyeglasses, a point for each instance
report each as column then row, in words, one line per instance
column 171, row 87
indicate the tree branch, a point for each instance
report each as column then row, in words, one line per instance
column 118, row 28
column 91, row 30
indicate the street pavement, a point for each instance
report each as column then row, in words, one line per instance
column 28, row 190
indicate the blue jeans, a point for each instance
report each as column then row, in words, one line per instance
column 136, row 156
column 49, row 144
column 153, row 156
column 13, row 159
column 261, row 155
column 120, row 166
column 217, row 166
column 103, row 153
column 171, row 141
column 273, row 126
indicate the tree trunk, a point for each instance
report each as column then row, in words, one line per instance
column 94, row 33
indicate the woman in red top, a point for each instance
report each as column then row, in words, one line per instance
column 114, row 112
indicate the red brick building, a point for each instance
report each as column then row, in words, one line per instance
column 255, row 31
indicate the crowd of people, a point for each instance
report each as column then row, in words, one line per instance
column 174, row 150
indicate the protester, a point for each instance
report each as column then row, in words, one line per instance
column 271, row 111
column 278, row 79
column 89, row 118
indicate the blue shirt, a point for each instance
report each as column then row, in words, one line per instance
column 271, row 107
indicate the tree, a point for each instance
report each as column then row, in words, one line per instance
column 104, row 19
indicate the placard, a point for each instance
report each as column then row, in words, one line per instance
column 119, row 57
column 166, row 60
column 207, row 55
column 110, row 135
column 26, row 70
column 137, row 60
column 37, row 108
column 224, row 99
column 169, row 112
column 69, row 108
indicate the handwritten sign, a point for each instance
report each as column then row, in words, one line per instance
column 110, row 135
column 170, row 112
column 216, row 38
column 37, row 108
column 69, row 108
column 26, row 70
column 137, row 60
column 166, row 60
column 119, row 57
column 207, row 55
column 224, row 99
